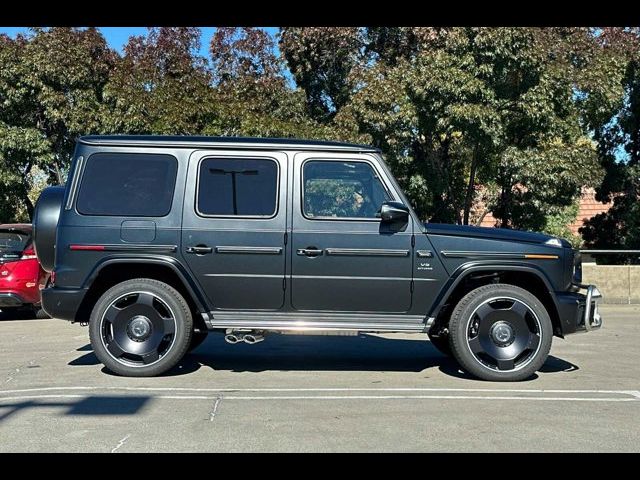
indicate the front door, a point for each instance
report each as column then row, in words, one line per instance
column 343, row 258
column 234, row 225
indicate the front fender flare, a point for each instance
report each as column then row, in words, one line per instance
column 468, row 268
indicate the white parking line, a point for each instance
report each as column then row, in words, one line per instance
column 344, row 397
column 634, row 393
column 120, row 443
column 462, row 394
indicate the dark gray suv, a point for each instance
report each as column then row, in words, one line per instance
column 156, row 241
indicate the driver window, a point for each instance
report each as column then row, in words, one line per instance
column 341, row 190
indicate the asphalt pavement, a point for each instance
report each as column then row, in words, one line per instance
column 298, row 393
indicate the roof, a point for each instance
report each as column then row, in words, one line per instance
column 243, row 142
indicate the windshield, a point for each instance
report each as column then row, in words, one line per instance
column 13, row 240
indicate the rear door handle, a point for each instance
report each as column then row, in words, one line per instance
column 199, row 249
column 309, row 252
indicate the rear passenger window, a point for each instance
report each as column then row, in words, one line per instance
column 128, row 184
column 241, row 186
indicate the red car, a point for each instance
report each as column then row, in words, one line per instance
column 21, row 276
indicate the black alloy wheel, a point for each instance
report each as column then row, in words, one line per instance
column 500, row 332
column 140, row 327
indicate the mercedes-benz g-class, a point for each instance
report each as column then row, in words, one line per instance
column 155, row 241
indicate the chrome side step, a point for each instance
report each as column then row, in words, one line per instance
column 311, row 322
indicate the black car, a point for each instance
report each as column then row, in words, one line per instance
column 157, row 240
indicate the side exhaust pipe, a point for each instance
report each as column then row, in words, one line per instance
column 252, row 339
column 233, row 338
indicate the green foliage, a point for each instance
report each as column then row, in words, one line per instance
column 557, row 221
column 160, row 85
column 468, row 106
column 321, row 60
column 618, row 132
column 51, row 85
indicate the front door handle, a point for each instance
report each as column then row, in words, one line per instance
column 199, row 249
column 310, row 252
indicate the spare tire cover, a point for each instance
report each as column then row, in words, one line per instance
column 45, row 222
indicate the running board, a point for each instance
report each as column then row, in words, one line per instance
column 317, row 321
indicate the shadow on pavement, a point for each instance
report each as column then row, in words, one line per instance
column 321, row 353
column 92, row 405
column 8, row 315
column 555, row 364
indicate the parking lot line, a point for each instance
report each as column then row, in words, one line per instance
column 634, row 393
column 343, row 397
column 506, row 394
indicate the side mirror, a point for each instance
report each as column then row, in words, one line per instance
column 394, row 212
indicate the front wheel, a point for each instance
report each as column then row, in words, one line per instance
column 140, row 328
column 500, row 332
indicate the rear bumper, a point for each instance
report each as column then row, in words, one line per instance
column 9, row 299
column 579, row 312
column 62, row 303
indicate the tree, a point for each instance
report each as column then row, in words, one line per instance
column 51, row 89
column 457, row 107
column 617, row 130
column 251, row 93
column 161, row 85
column 321, row 60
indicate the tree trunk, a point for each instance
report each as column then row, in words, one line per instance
column 506, row 204
column 484, row 214
column 25, row 192
column 28, row 204
column 59, row 174
column 470, row 187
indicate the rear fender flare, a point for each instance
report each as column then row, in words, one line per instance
column 194, row 290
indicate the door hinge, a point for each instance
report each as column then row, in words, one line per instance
column 286, row 238
column 413, row 241
column 284, row 284
column 411, row 287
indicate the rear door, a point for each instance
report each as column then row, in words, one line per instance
column 234, row 224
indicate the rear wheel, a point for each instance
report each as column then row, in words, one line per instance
column 500, row 332
column 140, row 328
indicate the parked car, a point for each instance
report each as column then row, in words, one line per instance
column 21, row 276
column 157, row 240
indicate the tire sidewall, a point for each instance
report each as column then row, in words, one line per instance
column 183, row 322
column 462, row 316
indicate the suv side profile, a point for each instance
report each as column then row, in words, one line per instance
column 157, row 240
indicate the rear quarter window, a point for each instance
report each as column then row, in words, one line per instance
column 127, row 184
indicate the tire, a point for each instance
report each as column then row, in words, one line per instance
column 41, row 314
column 140, row 328
column 500, row 333
column 441, row 343
column 196, row 339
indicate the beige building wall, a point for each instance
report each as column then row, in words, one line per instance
column 618, row 283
